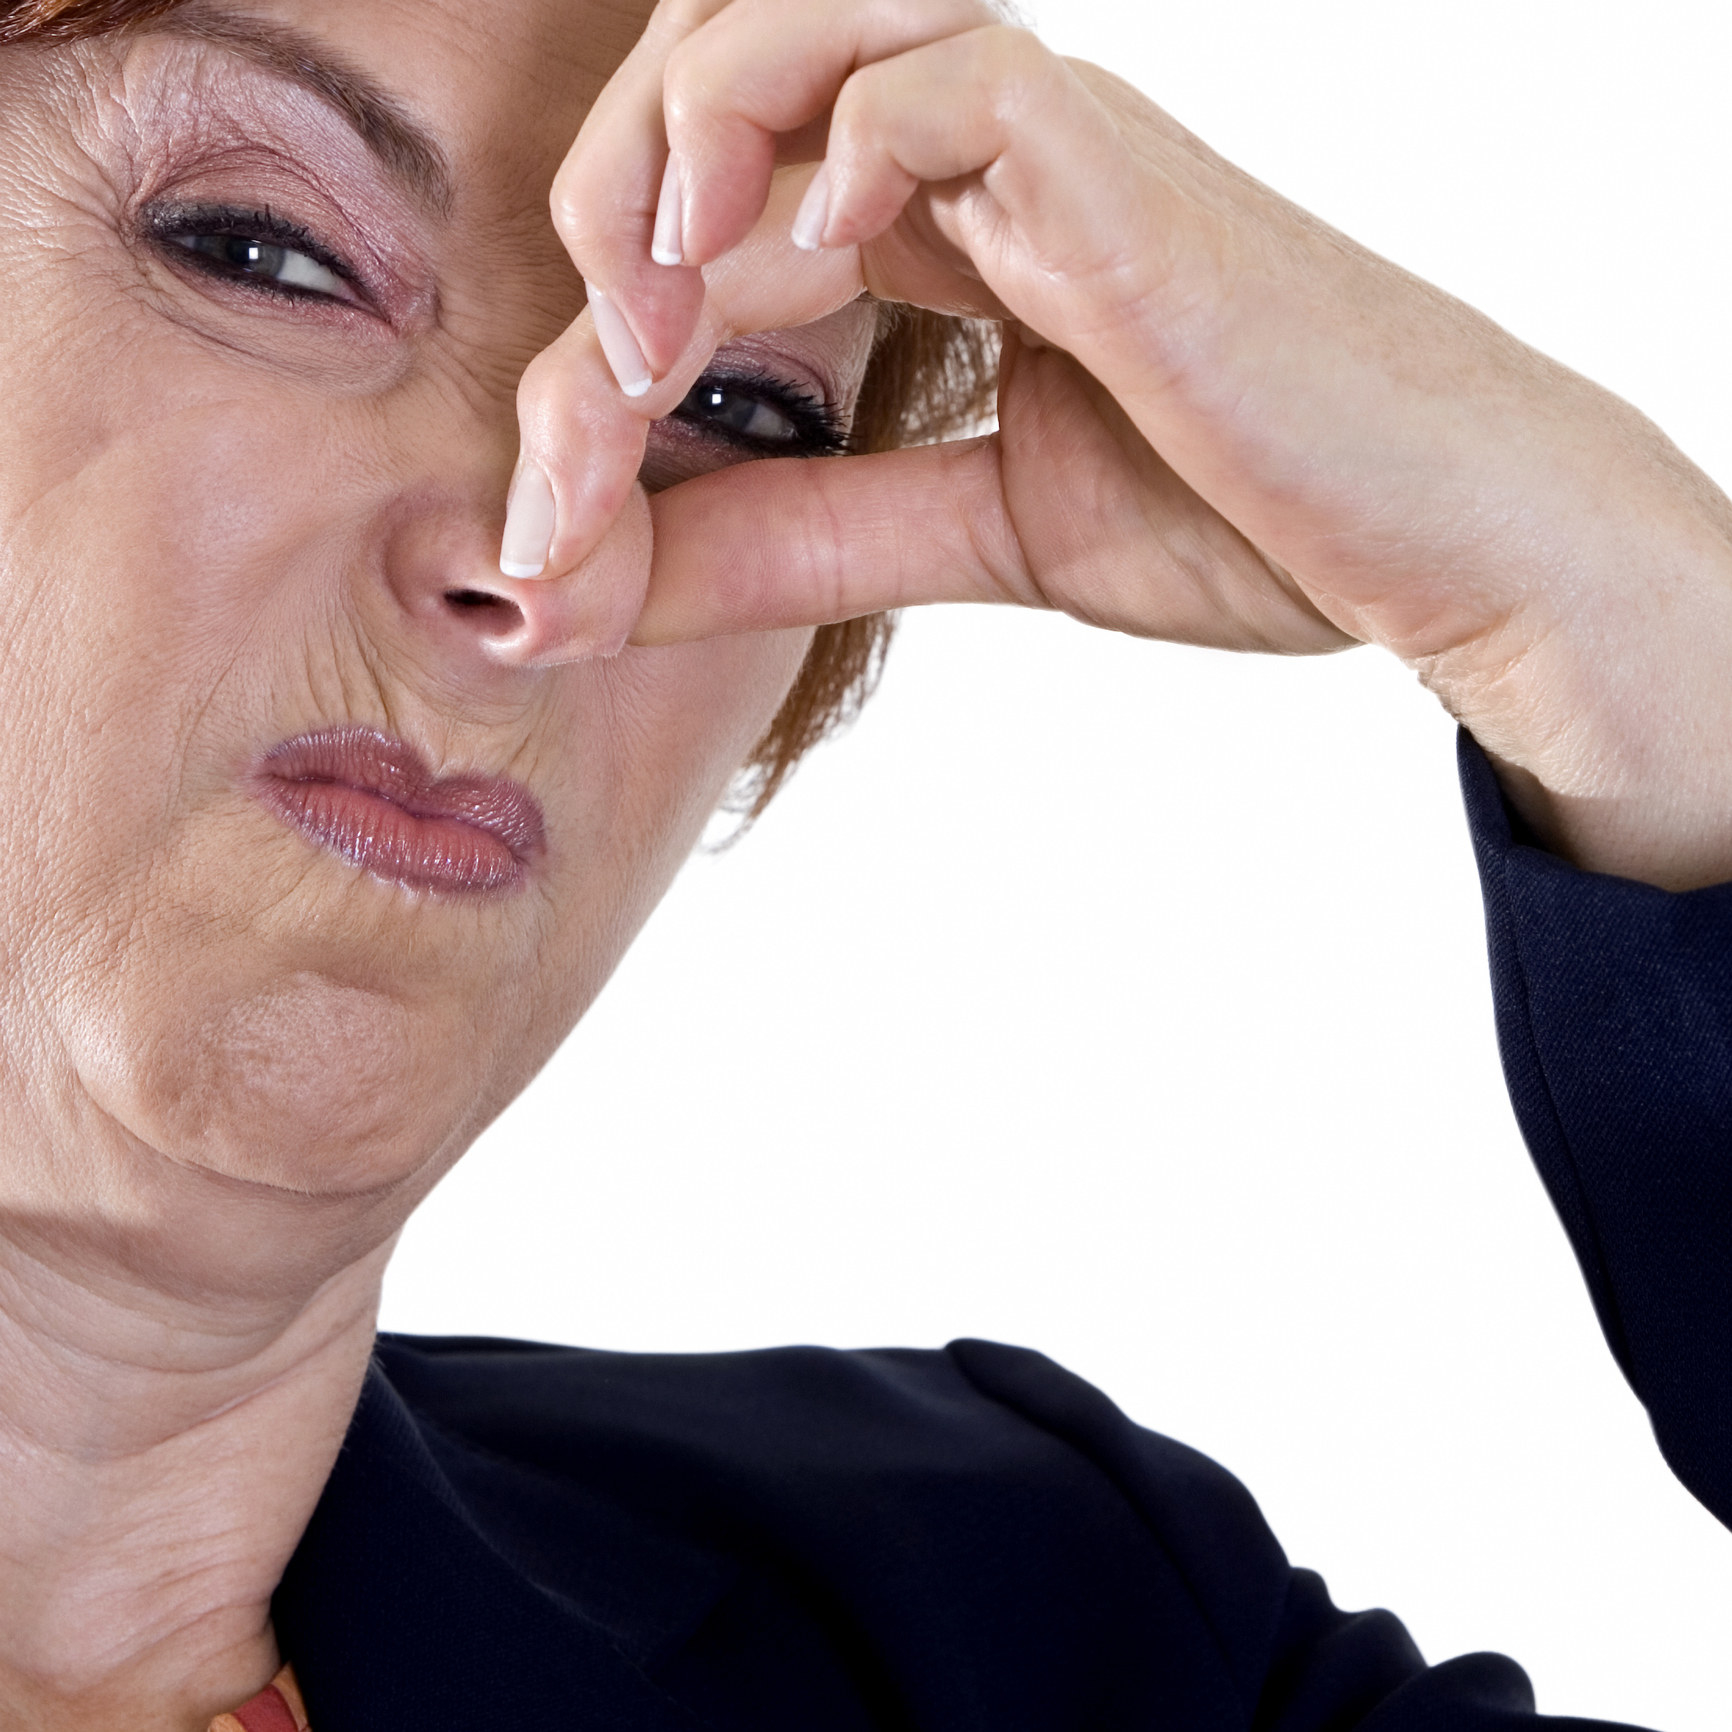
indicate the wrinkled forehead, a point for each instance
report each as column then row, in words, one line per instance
column 496, row 80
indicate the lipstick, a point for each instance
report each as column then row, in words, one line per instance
column 373, row 800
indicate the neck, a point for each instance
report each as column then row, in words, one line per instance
column 162, row 1445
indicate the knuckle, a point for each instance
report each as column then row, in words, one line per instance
column 1009, row 52
column 687, row 15
column 854, row 104
column 565, row 201
column 581, row 229
column 538, row 387
column 684, row 82
column 1017, row 68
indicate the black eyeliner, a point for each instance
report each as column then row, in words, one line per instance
column 819, row 429
column 167, row 225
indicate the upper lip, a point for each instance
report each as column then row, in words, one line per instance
column 391, row 769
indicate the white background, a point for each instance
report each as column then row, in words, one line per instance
column 1130, row 1002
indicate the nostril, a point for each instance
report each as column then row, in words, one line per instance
column 494, row 614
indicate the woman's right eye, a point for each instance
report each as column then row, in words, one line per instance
column 257, row 248
column 265, row 262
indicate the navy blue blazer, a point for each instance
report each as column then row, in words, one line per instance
column 973, row 1540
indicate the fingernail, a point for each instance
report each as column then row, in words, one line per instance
column 667, row 248
column 620, row 346
column 529, row 519
column 813, row 216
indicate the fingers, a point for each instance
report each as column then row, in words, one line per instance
column 1123, row 544
column 775, row 545
column 583, row 438
column 808, row 543
column 582, row 446
column 1032, row 187
column 953, row 109
column 1033, row 199
column 676, row 160
column 767, row 67
column 608, row 189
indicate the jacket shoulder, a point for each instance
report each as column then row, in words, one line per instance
column 978, row 1489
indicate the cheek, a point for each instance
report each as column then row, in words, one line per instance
column 136, row 595
column 684, row 719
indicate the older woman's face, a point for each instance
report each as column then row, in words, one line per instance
column 259, row 357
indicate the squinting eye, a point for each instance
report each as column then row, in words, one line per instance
column 280, row 266
column 750, row 417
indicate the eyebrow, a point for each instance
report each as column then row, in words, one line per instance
column 406, row 149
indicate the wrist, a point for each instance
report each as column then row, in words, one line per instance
column 1610, row 727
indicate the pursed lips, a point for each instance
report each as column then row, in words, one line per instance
column 372, row 799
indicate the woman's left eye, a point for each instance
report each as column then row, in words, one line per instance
column 283, row 267
column 740, row 412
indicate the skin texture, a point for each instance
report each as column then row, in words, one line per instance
column 1220, row 422
column 233, row 1063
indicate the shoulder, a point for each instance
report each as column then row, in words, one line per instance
column 974, row 1419
column 971, row 1538
column 978, row 1479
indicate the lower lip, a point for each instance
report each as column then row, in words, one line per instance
column 371, row 800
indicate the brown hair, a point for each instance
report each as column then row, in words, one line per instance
column 929, row 377
column 61, row 19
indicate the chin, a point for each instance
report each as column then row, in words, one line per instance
column 267, row 1013
column 301, row 1085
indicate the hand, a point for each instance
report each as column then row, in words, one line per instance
column 1219, row 421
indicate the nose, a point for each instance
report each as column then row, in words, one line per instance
column 443, row 574
column 441, row 568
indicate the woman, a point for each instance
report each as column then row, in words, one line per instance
column 341, row 785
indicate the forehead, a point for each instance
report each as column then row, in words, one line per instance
column 494, row 80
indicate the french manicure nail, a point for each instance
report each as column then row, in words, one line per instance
column 668, row 248
column 620, row 346
column 813, row 216
column 529, row 520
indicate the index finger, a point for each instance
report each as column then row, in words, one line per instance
column 608, row 188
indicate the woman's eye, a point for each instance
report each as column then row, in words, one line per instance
column 740, row 412
column 282, row 267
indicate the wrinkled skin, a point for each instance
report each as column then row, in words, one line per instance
column 233, row 1062
column 228, row 519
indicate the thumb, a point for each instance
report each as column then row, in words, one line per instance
column 810, row 541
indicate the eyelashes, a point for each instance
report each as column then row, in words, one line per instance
column 259, row 251
column 762, row 416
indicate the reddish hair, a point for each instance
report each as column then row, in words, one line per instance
column 929, row 376
column 62, row 19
